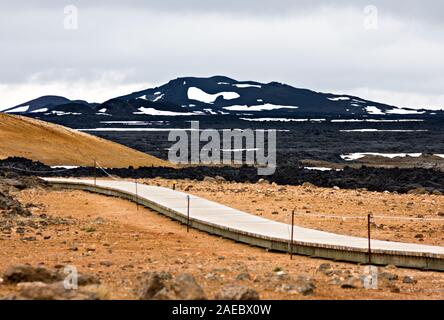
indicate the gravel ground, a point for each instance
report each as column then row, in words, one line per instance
column 110, row 238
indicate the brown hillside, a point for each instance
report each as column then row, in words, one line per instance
column 57, row 145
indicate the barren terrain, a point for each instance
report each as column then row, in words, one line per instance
column 114, row 240
column 56, row 145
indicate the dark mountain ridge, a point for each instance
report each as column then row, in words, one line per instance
column 219, row 95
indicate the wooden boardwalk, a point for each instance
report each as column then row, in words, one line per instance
column 224, row 221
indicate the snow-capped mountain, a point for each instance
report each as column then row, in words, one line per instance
column 53, row 105
column 221, row 95
column 218, row 95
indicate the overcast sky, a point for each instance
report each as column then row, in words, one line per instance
column 123, row 46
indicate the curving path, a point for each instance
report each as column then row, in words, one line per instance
column 230, row 223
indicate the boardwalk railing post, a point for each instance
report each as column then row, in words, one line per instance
column 137, row 195
column 95, row 172
column 369, row 221
column 292, row 235
column 188, row 213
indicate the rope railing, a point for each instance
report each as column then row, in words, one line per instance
column 115, row 178
column 370, row 220
column 107, row 173
column 320, row 215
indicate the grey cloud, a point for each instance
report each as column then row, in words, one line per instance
column 315, row 44
column 427, row 10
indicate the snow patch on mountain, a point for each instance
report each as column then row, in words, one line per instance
column 63, row 113
column 404, row 111
column 339, row 99
column 281, row 120
column 40, row 110
column 159, row 98
column 263, row 107
column 210, row 111
column 375, row 120
column 360, row 155
column 18, row 109
column 245, row 85
column 200, row 95
column 136, row 122
column 374, row 111
column 154, row 112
